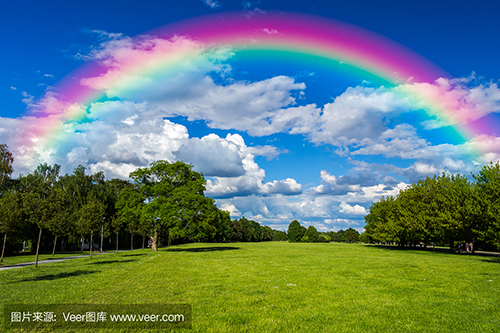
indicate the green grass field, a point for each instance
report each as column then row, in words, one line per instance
column 281, row 287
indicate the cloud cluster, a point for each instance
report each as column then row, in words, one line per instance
column 252, row 181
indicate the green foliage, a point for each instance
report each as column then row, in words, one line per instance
column 351, row 235
column 444, row 210
column 295, row 231
column 91, row 218
column 322, row 239
column 311, row 234
column 6, row 160
column 487, row 227
column 280, row 235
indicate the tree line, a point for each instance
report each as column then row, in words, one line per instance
column 444, row 210
column 164, row 203
column 299, row 233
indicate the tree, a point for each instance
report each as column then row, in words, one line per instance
column 312, row 234
column 295, row 231
column 41, row 202
column 324, row 238
column 351, row 235
column 267, row 233
column 6, row 160
column 10, row 216
column 91, row 219
column 382, row 223
column 115, row 222
column 236, row 233
column 280, row 235
column 165, row 195
column 256, row 231
column 488, row 186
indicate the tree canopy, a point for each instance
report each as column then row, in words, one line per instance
column 446, row 210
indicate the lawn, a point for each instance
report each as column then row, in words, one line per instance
column 281, row 287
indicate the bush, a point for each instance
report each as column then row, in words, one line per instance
column 322, row 239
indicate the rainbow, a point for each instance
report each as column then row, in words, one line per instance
column 291, row 33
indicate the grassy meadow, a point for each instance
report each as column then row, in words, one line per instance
column 281, row 287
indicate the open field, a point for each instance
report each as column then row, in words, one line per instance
column 281, row 287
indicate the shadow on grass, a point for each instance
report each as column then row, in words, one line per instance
column 495, row 260
column 49, row 277
column 205, row 249
column 404, row 248
column 135, row 255
column 111, row 261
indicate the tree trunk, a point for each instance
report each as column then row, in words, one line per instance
column 132, row 241
column 91, row 245
column 143, row 242
column 83, row 239
column 154, row 239
column 116, row 242
column 3, row 247
column 38, row 247
column 54, row 248
column 63, row 243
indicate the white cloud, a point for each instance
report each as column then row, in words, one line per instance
column 352, row 210
column 213, row 156
column 28, row 99
column 453, row 101
column 336, row 186
column 211, row 3
column 252, row 181
column 249, row 107
column 233, row 211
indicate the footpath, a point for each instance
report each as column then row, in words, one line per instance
column 25, row 264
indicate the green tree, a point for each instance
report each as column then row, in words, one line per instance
column 267, row 233
column 6, row 161
column 10, row 216
column 256, row 231
column 41, row 202
column 295, row 231
column 166, row 195
column 488, row 186
column 382, row 221
column 312, row 234
column 280, row 235
column 236, row 234
column 246, row 229
column 91, row 219
column 351, row 235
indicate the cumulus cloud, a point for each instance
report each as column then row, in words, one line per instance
column 453, row 101
column 213, row 156
column 345, row 208
column 233, row 211
column 252, row 181
column 334, row 211
column 249, row 107
column 336, row 186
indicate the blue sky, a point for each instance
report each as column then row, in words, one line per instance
column 326, row 174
